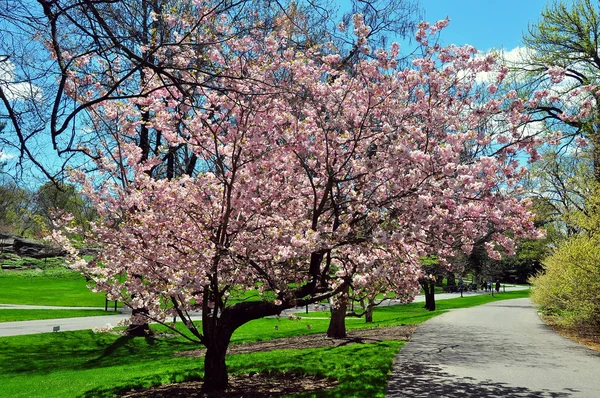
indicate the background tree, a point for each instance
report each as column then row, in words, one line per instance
column 15, row 209
column 51, row 197
column 562, row 58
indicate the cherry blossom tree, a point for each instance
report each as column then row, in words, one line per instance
column 315, row 179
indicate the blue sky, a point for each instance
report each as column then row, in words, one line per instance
column 484, row 24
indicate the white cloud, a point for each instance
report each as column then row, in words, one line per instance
column 517, row 57
column 5, row 156
column 15, row 90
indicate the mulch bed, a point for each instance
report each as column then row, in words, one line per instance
column 247, row 386
column 589, row 337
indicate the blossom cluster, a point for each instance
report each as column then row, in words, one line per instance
column 313, row 175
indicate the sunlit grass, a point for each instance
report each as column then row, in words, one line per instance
column 53, row 287
column 15, row 315
column 72, row 364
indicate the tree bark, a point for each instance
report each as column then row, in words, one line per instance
column 439, row 280
column 217, row 328
column 369, row 315
column 141, row 330
column 337, row 324
column 451, row 278
column 428, row 286
column 215, row 368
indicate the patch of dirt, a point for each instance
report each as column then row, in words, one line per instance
column 363, row 336
column 274, row 385
column 247, row 386
column 588, row 337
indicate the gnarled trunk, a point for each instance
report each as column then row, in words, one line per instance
column 217, row 328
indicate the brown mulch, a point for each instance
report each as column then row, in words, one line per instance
column 247, row 386
column 589, row 337
column 363, row 336
column 274, row 385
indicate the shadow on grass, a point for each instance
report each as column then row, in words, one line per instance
column 422, row 380
column 50, row 352
column 141, row 384
column 123, row 342
column 361, row 369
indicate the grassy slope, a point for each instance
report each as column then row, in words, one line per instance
column 58, row 287
column 14, row 315
column 81, row 363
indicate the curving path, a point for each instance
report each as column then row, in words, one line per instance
column 501, row 349
column 68, row 324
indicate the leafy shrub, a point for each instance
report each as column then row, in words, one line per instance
column 569, row 286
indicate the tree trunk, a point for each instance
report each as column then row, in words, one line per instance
column 141, row 330
column 217, row 328
column 337, row 324
column 451, row 279
column 215, row 368
column 369, row 315
column 428, row 286
column 439, row 280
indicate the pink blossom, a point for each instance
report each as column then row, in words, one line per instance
column 557, row 74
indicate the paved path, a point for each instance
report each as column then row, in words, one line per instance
column 501, row 349
column 67, row 324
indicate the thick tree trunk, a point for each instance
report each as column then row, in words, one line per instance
column 369, row 315
column 217, row 329
column 428, row 286
column 439, row 280
column 451, row 279
column 215, row 368
column 337, row 324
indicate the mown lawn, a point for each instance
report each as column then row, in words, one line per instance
column 72, row 364
column 15, row 315
column 53, row 286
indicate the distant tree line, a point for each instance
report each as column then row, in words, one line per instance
column 28, row 212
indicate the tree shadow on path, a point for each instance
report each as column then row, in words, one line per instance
column 422, row 380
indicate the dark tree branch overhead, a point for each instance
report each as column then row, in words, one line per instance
column 73, row 30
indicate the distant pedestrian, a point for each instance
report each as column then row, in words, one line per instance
column 497, row 286
column 484, row 286
column 490, row 285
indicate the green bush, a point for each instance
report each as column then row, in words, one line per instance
column 569, row 286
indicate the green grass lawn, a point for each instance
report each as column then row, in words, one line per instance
column 414, row 313
column 73, row 364
column 52, row 286
column 13, row 315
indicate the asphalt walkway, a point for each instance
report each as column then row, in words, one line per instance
column 69, row 324
column 501, row 349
